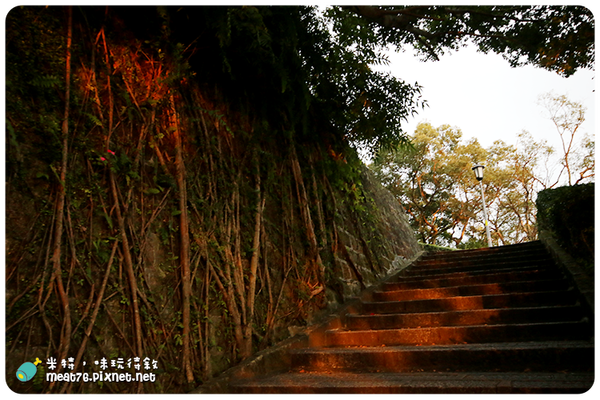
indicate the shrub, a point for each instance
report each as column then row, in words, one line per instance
column 568, row 212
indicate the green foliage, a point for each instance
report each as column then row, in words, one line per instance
column 34, row 107
column 568, row 212
column 297, row 73
column 307, row 70
column 240, row 85
column 434, row 182
column 46, row 81
column 431, row 248
column 430, row 179
column 557, row 38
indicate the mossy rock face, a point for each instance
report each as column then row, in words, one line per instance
column 327, row 228
column 568, row 212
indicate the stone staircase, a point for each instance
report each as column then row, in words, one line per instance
column 497, row 320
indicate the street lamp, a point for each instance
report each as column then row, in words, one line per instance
column 479, row 175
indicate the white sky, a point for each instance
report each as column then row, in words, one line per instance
column 487, row 99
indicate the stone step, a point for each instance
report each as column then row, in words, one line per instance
column 541, row 356
column 496, row 267
column 482, row 254
column 496, row 320
column 415, row 276
column 535, row 246
column 493, row 301
column 472, row 279
column 484, row 260
column 419, row 383
column 471, row 290
column 437, row 335
column 467, row 317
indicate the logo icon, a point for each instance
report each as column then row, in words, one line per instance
column 27, row 370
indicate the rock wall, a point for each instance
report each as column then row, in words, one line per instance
column 328, row 231
column 392, row 243
column 197, row 227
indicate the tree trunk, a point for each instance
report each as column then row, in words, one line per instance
column 250, row 294
column 184, row 252
column 65, row 336
column 60, row 206
column 128, row 269
column 305, row 214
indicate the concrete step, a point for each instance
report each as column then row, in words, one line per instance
column 467, row 317
column 467, row 267
column 535, row 246
column 476, row 272
column 437, row 335
column 496, row 320
column 483, row 260
column 486, row 257
column 419, row 383
column 471, row 290
column 540, row 356
column 472, row 278
column 493, row 301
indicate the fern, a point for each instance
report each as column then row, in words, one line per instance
column 45, row 81
column 94, row 119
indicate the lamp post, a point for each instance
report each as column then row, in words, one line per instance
column 479, row 175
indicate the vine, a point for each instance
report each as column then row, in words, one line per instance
column 170, row 223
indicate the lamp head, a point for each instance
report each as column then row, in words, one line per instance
column 478, row 171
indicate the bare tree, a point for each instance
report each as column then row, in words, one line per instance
column 577, row 156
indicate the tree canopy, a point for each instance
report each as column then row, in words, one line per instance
column 179, row 178
column 310, row 69
column 558, row 38
column 435, row 184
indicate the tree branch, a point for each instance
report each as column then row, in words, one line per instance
column 391, row 19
